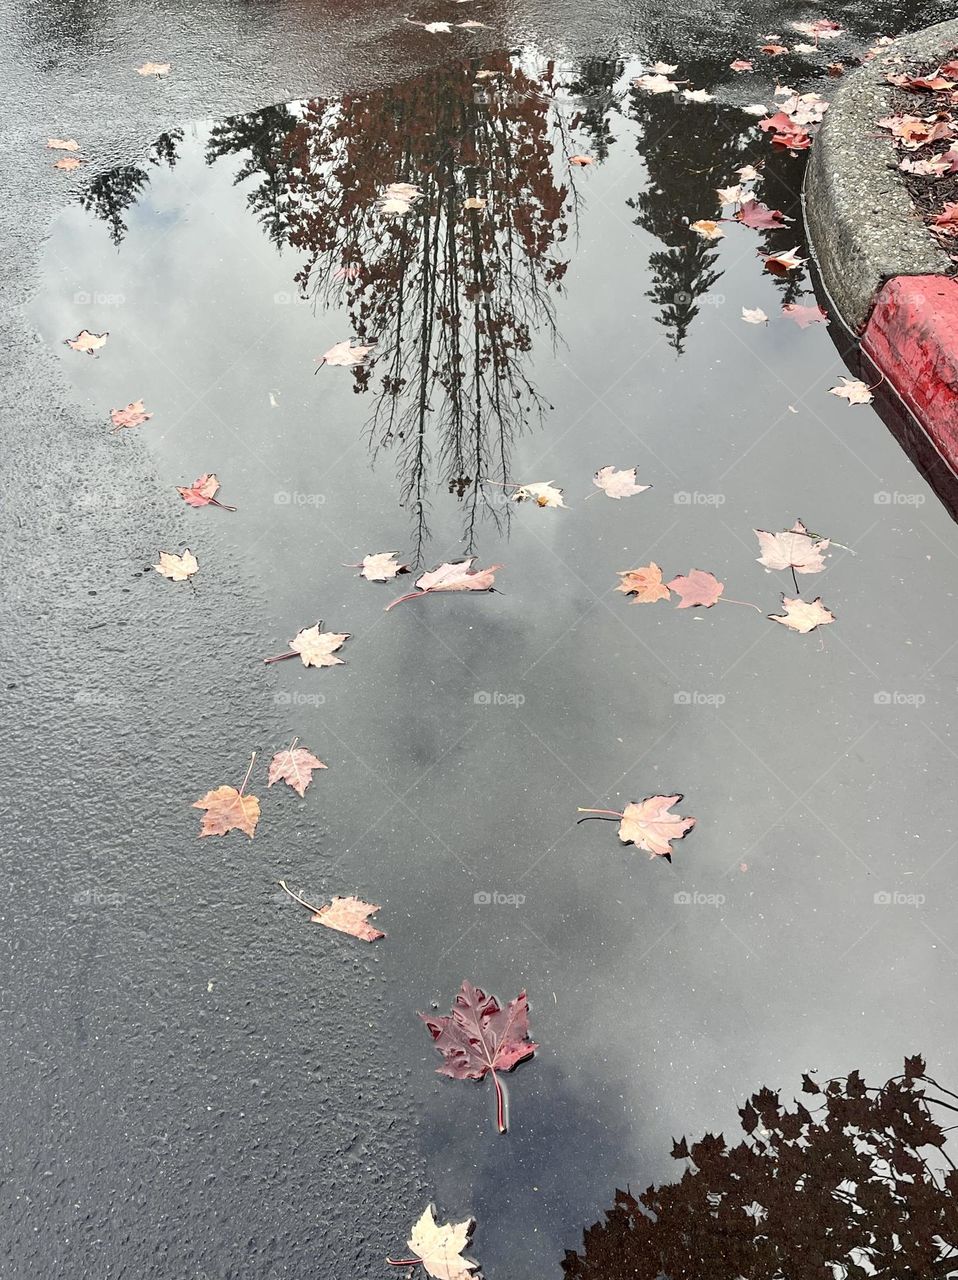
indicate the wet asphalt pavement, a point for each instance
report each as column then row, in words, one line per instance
column 197, row 1084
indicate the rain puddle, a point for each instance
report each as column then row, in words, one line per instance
column 535, row 320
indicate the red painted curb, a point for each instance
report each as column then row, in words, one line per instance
column 912, row 339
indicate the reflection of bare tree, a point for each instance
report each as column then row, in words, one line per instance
column 856, row 1183
column 112, row 193
column 452, row 296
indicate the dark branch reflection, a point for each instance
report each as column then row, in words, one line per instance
column 112, row 193
column 852, row 1181
column 452, row 296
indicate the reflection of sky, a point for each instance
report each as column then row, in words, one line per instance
column 655, row 1019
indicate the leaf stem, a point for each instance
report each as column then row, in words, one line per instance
column 248, row 772
column 222, row 505
column 746, row 603
column 795, row 580
column 411, row 595
column 612, row 813
column 500, row 1104
column 281, row 657
column 404, row 1262
column 297, row 898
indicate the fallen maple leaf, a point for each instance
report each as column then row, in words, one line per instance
column 794, row 549
column 802, row 616
column 399, row 197
column 87, row 341
column 729, row 195
column 228, row 809
column 740, row 64
column 581, row 160
column 201, row 493
column 618, row 484
column 948, row 217
column 175, row 567
column 774, row 50
column 696, row 588
column 345, row 353
column 315, row 646
column 480, row 1037
column 821, row 28
column 455, row 576
column 707, row 229
column 474, row 202
column 655, row 84
column 697, row 95
column 439, row 1248
column 472, row 25
column 754, row 315
column 132, row 416
column 778, row 263
column 748, row 173
column 921, row 84
column 63, row 144
column 785, row 132
column 853, row 390
column 383, row 566
column 644, row 583
column 664, row 68
column 154, row 69
column 543, row 493
column 648, row 824
column 345, row 915
column 69, row 162
column 804, row 315
column 294, row 767
column 759, row 216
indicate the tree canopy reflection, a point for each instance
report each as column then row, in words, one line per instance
column 855, row 1181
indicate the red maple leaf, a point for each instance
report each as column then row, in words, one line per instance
column 696, row 588
column 759, row 216
column 785, row 132
column 479, row 1037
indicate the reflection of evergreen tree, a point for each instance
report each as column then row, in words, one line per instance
column 264, row 136
column 855, row 1183
column 112, row 193
column 594, row 87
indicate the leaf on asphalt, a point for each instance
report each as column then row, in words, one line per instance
column 618, row 484
column 785, row 132
column 754, row 315
column 774, row 50
column 315, row 647
column 759, row 216
column 755, row 109
column 132, row 416
column 581, row 160
column 707, row 228
column 697, row 95
column 729, row 195
column 294, row 766
column 154, row 69
column 740, row 64
column 202, row 492
column 543, row 493
column 63, row 144
column 346, row 353
column 645, row 583
column 795, row 548
column 802, row 108
column 655, row 84
column 820, row 29
column 804, row 315
column 87, row 341
column 382, row 566
column 648, row 824
column 451, row 576
column 175, row 567
column 696, row 588
column 664, row 68
column 228, row 809
column 439, row 1248
column 779, row 263
column 69, row 162
column 748, row 173
column 853, row 390
column 802, row 615
column 345, row 915
column 480, row 1037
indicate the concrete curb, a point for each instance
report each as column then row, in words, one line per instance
column 861, row 222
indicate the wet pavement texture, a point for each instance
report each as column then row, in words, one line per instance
column 201, row 1084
